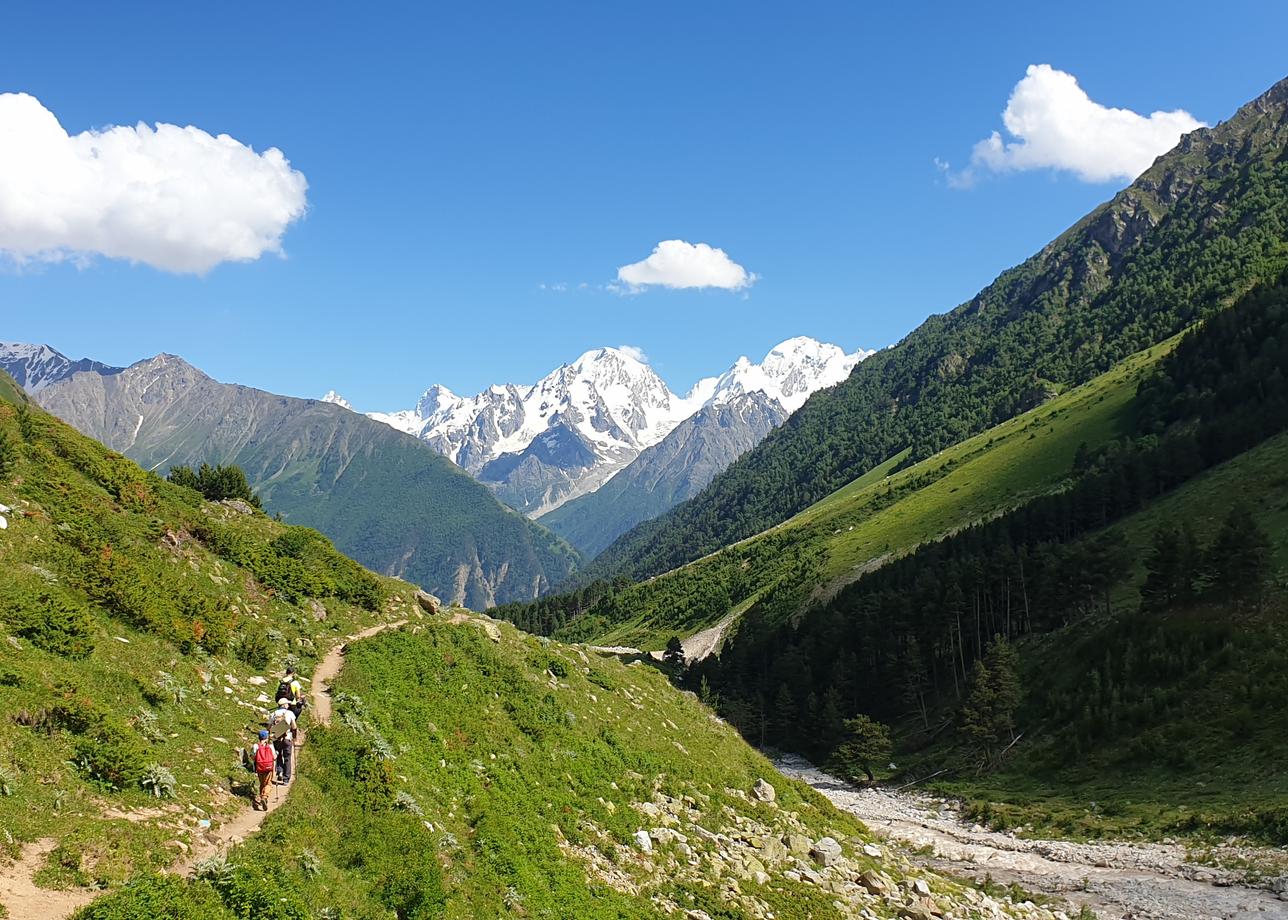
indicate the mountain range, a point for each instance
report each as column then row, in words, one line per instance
column 387, row 499
column 608, row 416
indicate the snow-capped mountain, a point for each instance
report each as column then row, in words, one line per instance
column 337, row 400
column 542, row 444
column 38, row 366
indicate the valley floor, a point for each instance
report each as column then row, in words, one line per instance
column 1116, row 880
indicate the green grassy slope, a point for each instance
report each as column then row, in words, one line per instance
column 470, row 771
column 1159, row 724
column 476, row 771
column 128, row 642
column 881, row 515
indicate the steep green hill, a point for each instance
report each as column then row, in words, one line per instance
column 136, row 654
column 1205, row 223
column 1118, row 641
column 387, row 499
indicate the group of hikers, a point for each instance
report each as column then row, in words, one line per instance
column 271, row 757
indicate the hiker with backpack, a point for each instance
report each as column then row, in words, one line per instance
column 262, row 758
column 282, row 730
column 291, row 688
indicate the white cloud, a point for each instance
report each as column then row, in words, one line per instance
column 634, row 351
column 1056, row 125
column 677, row 264
column 175, row 198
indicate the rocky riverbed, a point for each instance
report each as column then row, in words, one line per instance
column 1119, row 881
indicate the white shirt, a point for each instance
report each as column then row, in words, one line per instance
column 278, row 715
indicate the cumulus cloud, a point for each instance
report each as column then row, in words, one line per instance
column 634, row 351
column 1054, row 124
column 178, row 199
column 677, row 264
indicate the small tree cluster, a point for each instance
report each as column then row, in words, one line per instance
column 216, row 483
column 1236, row 565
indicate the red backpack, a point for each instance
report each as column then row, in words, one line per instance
column 263, row 757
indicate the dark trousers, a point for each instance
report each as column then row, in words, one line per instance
column 284, row 752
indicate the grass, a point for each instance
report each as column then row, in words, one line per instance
column 880, row 515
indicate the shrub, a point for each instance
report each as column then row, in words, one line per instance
column 152, row 896
column 111, row 756
column 52, row 621
column 254, row 649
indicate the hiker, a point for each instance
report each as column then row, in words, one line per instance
column 291, row 688
column 263, row 757
column 281, row 729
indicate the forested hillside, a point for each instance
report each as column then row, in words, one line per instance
column 1133, row 619
column 1203, row 225
column 386, row 498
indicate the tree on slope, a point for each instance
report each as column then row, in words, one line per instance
column 1239, row 559
column 866, row 742
column 988, row 715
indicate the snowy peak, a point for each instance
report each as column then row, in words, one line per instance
column 789, row 373
column 611, row 402
column 35, row 367
column 337, row 400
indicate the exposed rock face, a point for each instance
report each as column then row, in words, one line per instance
column 385, row 498
column 566, row 435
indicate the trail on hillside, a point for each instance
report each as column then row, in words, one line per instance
column 1119, row 881
column 25, row 901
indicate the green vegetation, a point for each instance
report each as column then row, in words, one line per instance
column 216, row 483
column 128, row 634
column 1203, row 225
column 883, row 515
column 1129, row 623
column 476, row 772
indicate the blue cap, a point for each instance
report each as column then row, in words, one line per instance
column 263, row 732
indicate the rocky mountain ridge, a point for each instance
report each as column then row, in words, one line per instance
column 35, row 367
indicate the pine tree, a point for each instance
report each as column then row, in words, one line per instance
column 988, row 715
column 674, row 654
column 8, row 454
column 1239, row 558
column 866, row 742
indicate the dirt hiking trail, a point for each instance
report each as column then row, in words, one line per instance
column 1119, row 881
column 25, row 901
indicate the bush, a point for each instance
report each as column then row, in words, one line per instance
column 112, row 757
column 53, row 622
column 216, row 483
column 152, row 896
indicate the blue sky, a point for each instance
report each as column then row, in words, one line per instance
column 458, row 159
